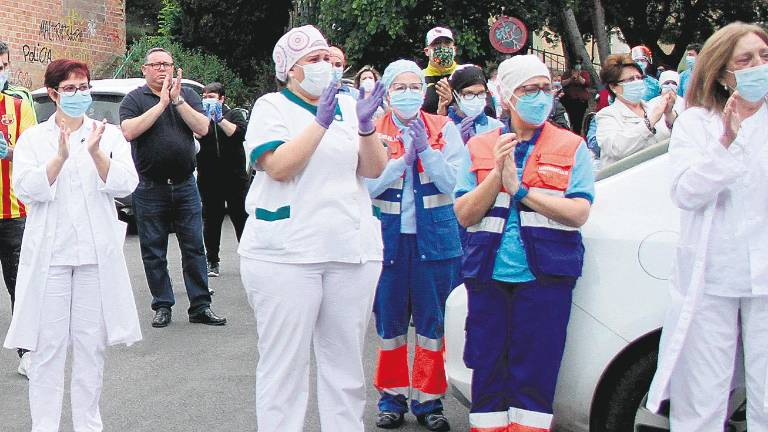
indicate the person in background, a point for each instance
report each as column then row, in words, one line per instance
column 160, row 119
column 221, row 176
column 470, row 100
column 522, row 197
column 366, row 79
column 641, row 55
column 718, row 306
column 576, row 85
column 494, row 92
column 628, row 126
column 690, row 61
column 670, row 83
column 73, row 289
column 422, row 249
column 441, row 52
column 339, row 66
column 18, row 116
column 311, row 250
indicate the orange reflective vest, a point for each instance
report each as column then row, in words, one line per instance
column 552, row 249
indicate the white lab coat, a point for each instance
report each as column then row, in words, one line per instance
column 702, row 169
column 35, row 148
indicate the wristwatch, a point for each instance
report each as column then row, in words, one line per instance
column 649, row 126
column 178, row 101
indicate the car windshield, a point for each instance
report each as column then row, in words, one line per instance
column 104, row 107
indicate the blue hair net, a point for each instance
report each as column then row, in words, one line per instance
column 396, row 68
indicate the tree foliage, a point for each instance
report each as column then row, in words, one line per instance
column 677, row 22
column 380, row 31
column 242, row 32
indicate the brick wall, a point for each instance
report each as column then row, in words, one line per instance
column 40, row 31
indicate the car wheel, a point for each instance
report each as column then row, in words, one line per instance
column 626, row 409
column 625, row 406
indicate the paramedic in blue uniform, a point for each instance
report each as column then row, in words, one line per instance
column 522, row 198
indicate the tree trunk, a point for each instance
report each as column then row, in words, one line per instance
column 600, row 31
column 576, row 42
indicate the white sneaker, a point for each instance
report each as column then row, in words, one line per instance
column 24, row 364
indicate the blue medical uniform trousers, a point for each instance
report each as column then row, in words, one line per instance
column 411, row 289
column 514, row 345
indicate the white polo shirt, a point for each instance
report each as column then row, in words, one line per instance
column 323, row 213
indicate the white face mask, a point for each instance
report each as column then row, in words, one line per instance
column 338, row 73
column 317, row 77
column 367, row 84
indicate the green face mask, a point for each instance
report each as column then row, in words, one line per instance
column 442, row 56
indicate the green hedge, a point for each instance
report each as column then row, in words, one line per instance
column 196, row 65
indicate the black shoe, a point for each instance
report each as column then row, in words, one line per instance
column 213, row 269
column 389, row 420
column 206, row 316
column 435, row 421
column 162, row 317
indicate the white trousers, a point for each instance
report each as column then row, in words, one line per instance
column 327, row 305
column 701, row 383
column 71, row 316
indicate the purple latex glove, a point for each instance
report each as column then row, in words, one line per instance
column 467, row 128
column 326, row 106
column 410, row 154
column 367, row 106
column 418, row 133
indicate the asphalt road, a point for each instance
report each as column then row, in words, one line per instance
column 186, row 377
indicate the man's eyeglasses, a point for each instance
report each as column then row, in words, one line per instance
column 533, row 89
column 398, row 88
column 70, row 90
column 630, row 79
column 159, row 65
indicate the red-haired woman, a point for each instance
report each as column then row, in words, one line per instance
column 73, row 286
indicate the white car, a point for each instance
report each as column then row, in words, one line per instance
column 618, row 306
column 107, row 95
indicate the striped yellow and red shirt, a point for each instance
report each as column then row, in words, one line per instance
column 16, row 115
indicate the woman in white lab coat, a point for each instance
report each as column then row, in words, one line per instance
column 73, row 286
column 719, row 157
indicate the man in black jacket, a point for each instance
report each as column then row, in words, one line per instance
column 221, row 174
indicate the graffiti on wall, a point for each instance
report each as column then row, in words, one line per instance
column 21, row 78
column 36, row 53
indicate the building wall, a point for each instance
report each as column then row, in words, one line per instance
column 40, row 31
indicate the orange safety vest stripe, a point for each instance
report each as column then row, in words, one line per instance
column 390, row 134
column 549, row 165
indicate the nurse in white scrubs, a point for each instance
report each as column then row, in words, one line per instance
column 311, row 251
column 73, row 287
column 719, row 158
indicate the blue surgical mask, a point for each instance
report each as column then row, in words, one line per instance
column 471, row 107
column 336, row 74
column 690, row 61
column 534, row 109
column 76, row 105
column 406, row 103
column 642, row 64
column 3, row 79
column 752, row 83
column 367, row 84
column 633, row 90
column 317, row 77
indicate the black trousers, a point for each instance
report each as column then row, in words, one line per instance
column 11, row 232
column 575, row 109
column 221, row 197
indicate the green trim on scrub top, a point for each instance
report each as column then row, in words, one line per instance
column 263, row 148
column 271, row 216
column 308, row 106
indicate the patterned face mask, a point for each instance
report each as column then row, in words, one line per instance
column 443, row 56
